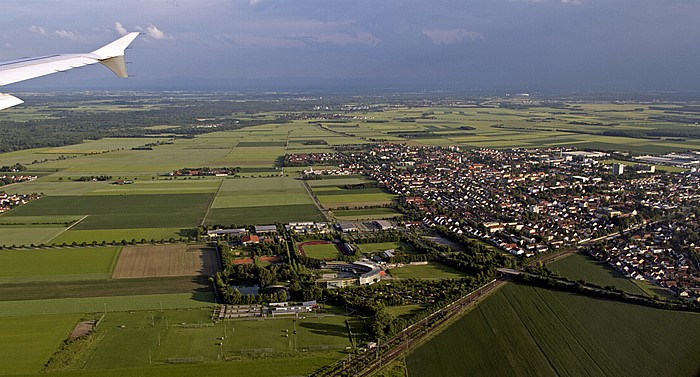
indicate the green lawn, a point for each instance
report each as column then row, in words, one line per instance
column 27, row 342
column 583, row 267
column 539, row 332
column 326, row 251
column 432, row 270
column 62, row 264
column 381, row 246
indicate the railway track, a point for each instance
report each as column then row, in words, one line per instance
column 367, row 363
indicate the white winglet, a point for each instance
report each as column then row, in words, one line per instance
column 115, row 48
column 111, row 56
column 7, row 101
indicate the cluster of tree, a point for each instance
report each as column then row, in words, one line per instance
column 552, row 281
column 100, row 178
column 206, row 171
column 13, row 168
column 373, row 300
column 360, row 186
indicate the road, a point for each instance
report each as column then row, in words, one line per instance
column 367, row 363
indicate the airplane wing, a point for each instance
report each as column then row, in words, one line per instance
column 111, row 55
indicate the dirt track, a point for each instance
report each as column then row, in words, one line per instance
column 165, row 260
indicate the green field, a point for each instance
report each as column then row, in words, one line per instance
column 278, row 191
column 263, row 215
column 27, row 342
column 191, row 334
column 113, row 304
column 57, row 264
column 366, row 214
column 539, row 332
column 122, row 211
column 327, row 251
column 117, row 235
column 583, row 267
column 381, row 246
column 432, row 270
column 27, row 235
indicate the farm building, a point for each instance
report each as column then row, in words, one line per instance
column 250, row 239
column 384, row 224
column 225, row 232
column 347, row 227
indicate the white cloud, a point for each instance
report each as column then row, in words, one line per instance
column 254, row 2
column 120, row 28
column 37, row 30
column 155, row 33
column 576, row 2
column 451, row 36
column 69, row 35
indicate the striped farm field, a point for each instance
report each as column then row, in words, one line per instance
column 165, row 260
column 540, row 332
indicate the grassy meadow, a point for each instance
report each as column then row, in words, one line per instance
column 60, row 264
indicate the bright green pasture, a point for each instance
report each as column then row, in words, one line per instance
column 325, row 251
column 123, row 211
column 27, row 342
column 61, row 263
column 97, row 304
column 263, row 192
column 25, row 236
column 263, row 215
column 432, row 270
column 540, row 332
column 117, row 235
column 380, row 246
column 583, row 267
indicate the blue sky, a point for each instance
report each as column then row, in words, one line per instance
column 470, row 44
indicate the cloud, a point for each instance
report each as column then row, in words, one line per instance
column 254, row 2
column 451, row 36
column 120, row 28
column 37, row 30
column 69, row 35
column 155, row 33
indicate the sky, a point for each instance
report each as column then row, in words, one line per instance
column 521, row 45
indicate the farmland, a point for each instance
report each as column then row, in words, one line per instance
column 57, row 264
column 154, row 289
column 561, row 334
column 167, row 260
column 123, row 211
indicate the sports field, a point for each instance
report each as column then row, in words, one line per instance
column 57, row 264
column 165, row 260
column 324, row 251
column 540, row 332
column 432, row 270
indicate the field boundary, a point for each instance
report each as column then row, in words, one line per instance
column 211, row 203
column 67, row 228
